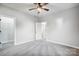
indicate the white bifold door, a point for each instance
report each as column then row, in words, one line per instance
column 7, row 30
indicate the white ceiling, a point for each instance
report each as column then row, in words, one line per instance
column 54, row 8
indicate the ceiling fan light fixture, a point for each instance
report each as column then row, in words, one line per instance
column 39, row 9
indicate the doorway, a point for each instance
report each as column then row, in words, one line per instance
column 41, row 30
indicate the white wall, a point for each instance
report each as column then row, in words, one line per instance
column 24, row 24
column 63, row 27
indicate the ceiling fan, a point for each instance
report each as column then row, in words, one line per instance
column 39, row 7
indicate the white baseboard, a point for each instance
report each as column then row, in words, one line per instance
column 61, row 43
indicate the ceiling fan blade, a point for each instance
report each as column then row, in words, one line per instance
column 43, row 4
column 32, row 9
column 35, row 3
column 46, row 9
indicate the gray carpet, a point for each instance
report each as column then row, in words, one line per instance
column 38, row 48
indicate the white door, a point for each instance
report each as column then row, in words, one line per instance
column 40, row 30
